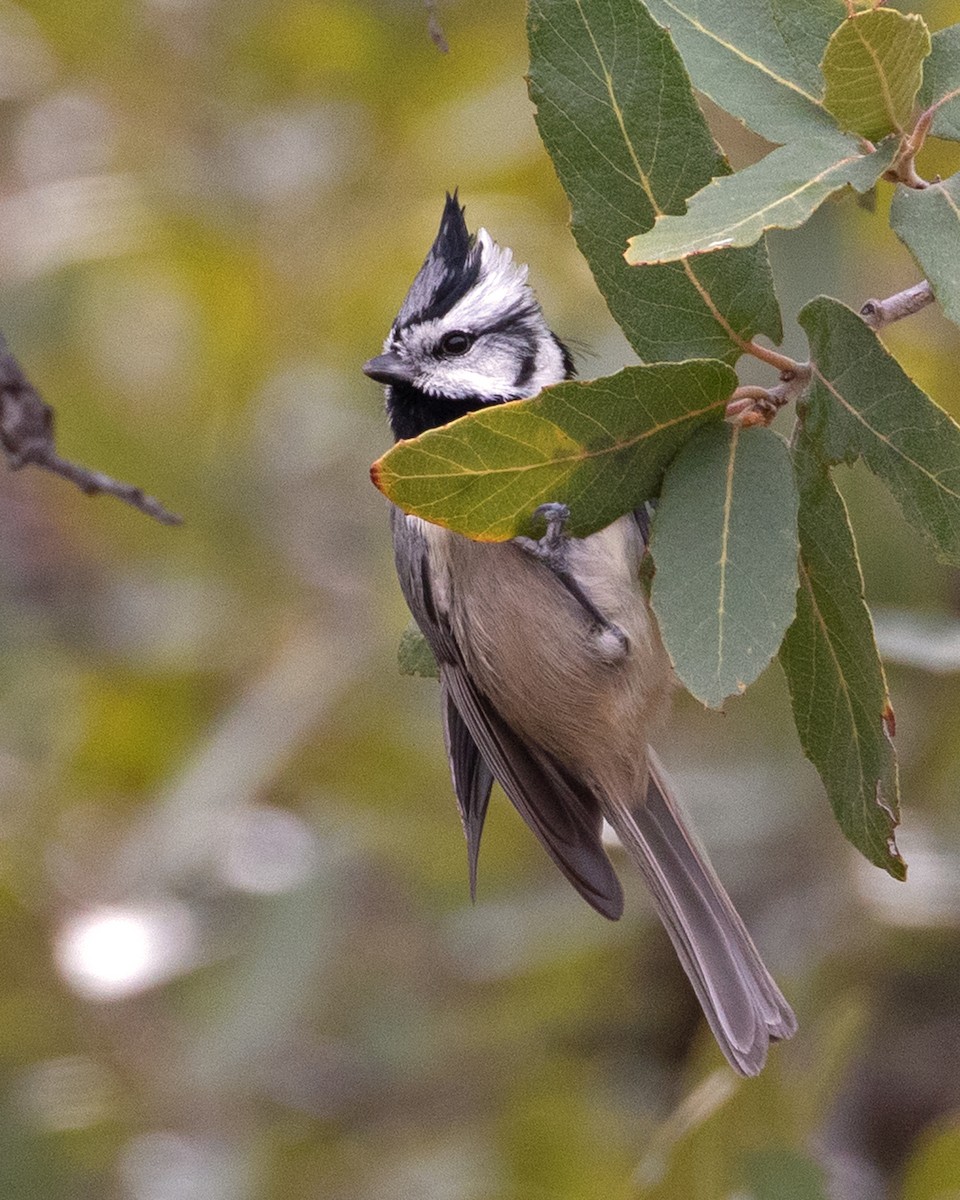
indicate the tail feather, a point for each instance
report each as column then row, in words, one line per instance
column 743, row 1005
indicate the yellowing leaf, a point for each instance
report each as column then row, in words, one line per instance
column 600, row 447
column 873, row 67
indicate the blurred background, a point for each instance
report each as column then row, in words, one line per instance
column 238, row 959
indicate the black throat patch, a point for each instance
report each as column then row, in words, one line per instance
column 413, row 412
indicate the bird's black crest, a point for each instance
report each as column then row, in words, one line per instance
column 452, row 243
column 451, row 269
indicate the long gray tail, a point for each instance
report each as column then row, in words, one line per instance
column 743, row 1005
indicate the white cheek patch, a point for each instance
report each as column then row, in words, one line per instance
column 550, row 365
column 458, row 380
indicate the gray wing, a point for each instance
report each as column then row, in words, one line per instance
column 564, row 817
column 472, row 780
column 481, row 746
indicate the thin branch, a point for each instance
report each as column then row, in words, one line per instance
column 877, row 313
column 434, row 28
column 904, row 168
column 26, row 436
column 751, row 405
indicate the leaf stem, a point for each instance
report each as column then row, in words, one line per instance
column 878, row 313
column 771, row 357
column 750, row 406
column 904, row 165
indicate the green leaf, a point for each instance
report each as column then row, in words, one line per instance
column 628, row 141
column 941, row 83
column 414, row 656
column 781, row 191
column 862, row 405
column 758, row 59
column 873, row 67
column 600, row 447
column 724, row 544
column 927, row 221
column 836, row 681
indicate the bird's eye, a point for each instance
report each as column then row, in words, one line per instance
column 456, row 343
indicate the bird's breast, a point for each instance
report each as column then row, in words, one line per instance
column 539, row 656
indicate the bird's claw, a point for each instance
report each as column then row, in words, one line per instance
column 553, row 551
column 552, row 547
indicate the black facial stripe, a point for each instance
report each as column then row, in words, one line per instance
column 453, row 286
column 513, row 321
column 510, row 319
column 528, row 364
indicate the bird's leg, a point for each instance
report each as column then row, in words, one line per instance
column 553, row 550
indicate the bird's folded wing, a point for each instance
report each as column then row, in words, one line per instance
column 564, row 817
column 472, row 781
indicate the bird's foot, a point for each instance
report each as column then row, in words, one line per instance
column 553, row 550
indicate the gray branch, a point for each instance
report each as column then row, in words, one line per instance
column 26, row 435
column 877, row 313
column 434, row 28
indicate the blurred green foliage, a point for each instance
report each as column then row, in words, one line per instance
column 237, row 955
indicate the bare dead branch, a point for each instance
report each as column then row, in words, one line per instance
column 26, row 435
column 434, row 28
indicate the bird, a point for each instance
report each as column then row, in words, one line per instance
column 553, row 675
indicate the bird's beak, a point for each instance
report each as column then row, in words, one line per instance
column 388, row 368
